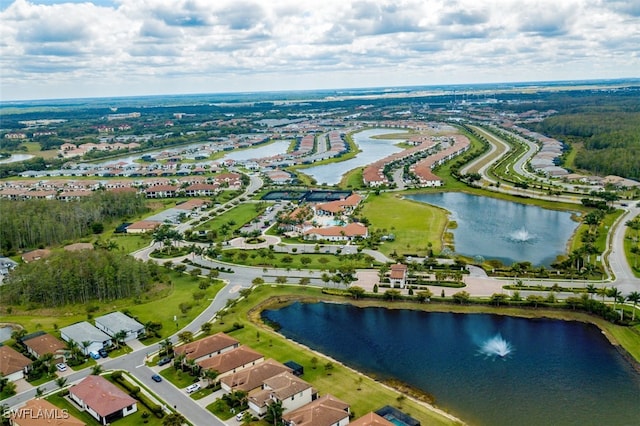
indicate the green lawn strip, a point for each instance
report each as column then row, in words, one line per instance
column 42, row 380
column 414, row 224
column 353, row 179
column 238, row 215
column 339, row 380
column 181, row 379
column 319, row 261
column 220, row 409
column 632, row 258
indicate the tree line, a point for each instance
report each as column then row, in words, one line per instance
column 30, row 224
column 78, row 277
column 610, row 140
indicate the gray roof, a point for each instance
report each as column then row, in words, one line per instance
column 83, row 331
column 117, row 321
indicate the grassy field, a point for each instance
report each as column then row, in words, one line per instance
column 353, row 179
column 238, row 216
column 363, row 393
column 159, row 306
column 414, row 224
column 318, row 261
column 631, row 239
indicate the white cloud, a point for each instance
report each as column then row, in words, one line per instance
column 114, row 47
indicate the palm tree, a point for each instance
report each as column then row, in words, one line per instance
column 591, row 289
column 615, row 294
column 603, row 292
column 635, row 298
column 96, row 370
column 274, row 413
column 61, row 382
column 210, row 375
column 119, row 337
column 166, row 347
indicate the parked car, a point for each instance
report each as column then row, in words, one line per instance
column 164, row 361
column 156, row 378
column 240, row 416
column 192, row 388
column 94, row 355
column 61, row 366
column 103, row 353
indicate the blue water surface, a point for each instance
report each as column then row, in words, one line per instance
column 558, row 372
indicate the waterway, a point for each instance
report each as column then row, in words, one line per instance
column 504, row 230
column 371, row 150
column 553, row 372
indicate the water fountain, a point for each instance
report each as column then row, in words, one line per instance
column 496, row 346
column 520, row 235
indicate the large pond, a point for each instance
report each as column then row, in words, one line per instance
column 552, row 372
column 5, row 333
column 498, row 229
column 261, row 151
column 371, row 150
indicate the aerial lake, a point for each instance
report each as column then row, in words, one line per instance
column 504, row 230
column 371, row 150
column 485, row 369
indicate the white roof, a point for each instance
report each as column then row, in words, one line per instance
column 83, row 331
column 118, row 321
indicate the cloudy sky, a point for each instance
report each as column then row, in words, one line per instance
column 63, row 49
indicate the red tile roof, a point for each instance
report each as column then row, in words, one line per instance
column 12, row 361
column 101, row 395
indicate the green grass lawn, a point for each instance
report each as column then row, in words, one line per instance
column 414, row 224
column 631, row 239
column 319, row 261
column 181, row 379
column 234, row 218
column 160, row 306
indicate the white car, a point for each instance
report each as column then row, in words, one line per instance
column 61, row 366
column 192, row 388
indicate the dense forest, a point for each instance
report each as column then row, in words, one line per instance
column 609, row 141
column 31, row 224
column 78, row 277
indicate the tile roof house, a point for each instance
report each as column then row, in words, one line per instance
column 337, row 233
column 325, row 411
column 143, row 226
column 290, row 390
column 116, row 322
column 250, row 379
column 371, row 419
column 207, row 347
column 398, row 275
column 232, row 361
column 85, row 332
column 40, row 412
column 38, row 345
column 102, row 399
column 13, row 365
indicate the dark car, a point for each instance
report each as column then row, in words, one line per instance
column 156, row 378
column 164, row 361
column 103, row 353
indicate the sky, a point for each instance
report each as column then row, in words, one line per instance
column 75, row 49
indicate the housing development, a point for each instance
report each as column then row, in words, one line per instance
column 144, row 248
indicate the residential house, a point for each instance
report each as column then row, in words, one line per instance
column 13, row 365
column 232, row 361
column 290, row 390
column 143, row 226
column 206, row 348
column 40, row 412
column 115, row 322
column 161, row 191
column 398, row 275
column 371, row 419
column 250, row 379
column 83, row 332
column 339, row 207
column 40, row 343
column 102, row 399
column 201, row 190
column 338, row 233
column 325, row 411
